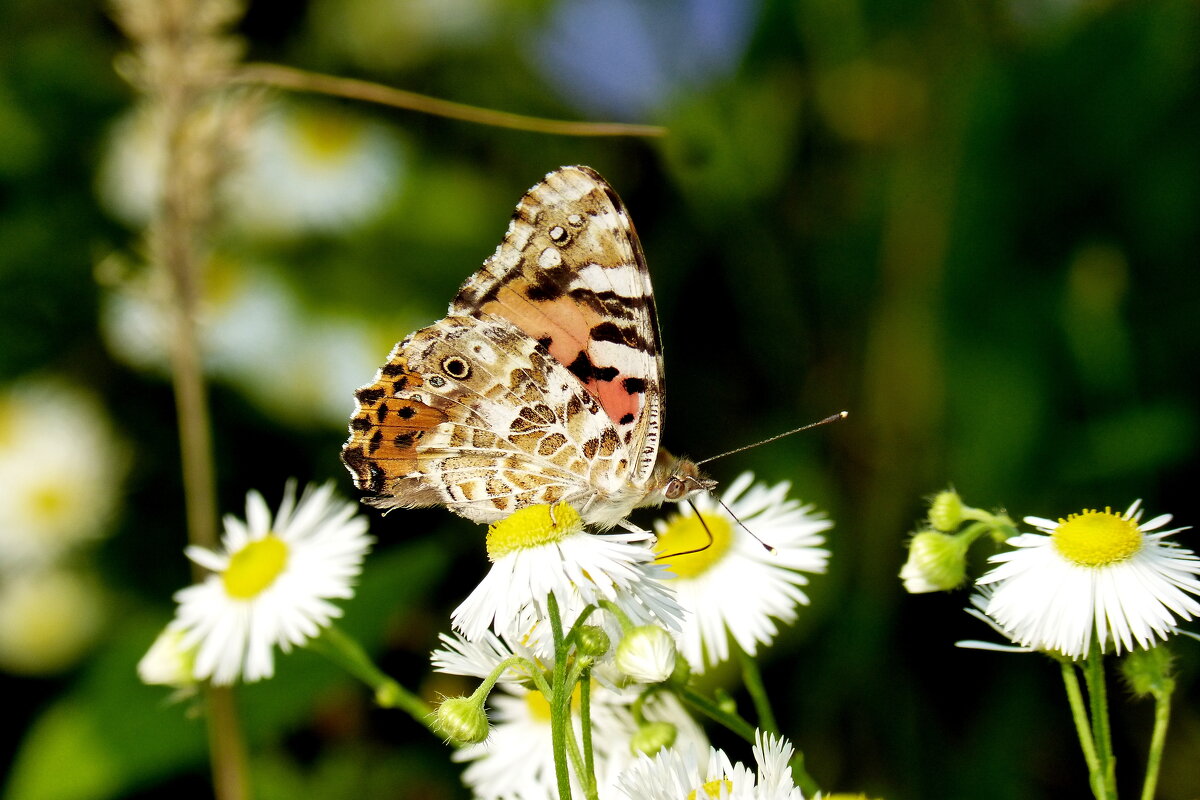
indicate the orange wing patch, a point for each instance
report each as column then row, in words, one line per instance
column 386, row 430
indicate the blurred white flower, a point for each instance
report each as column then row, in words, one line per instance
column 49, row 619
column 61, row 466
column 300, row 169
column 169, row 663
column 732, row 586
column 272, row 583
column 298, row 365
column 129, row 178
column 314, row 169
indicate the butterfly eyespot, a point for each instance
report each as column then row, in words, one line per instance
column 456, row 368
column 559, row 235
column 575, row 220
column 437, row 381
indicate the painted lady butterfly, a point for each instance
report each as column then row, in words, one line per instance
column 544, row 382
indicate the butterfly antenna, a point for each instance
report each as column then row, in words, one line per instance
column 834, row 418
column 710, row 541
column 769, row 548
column 701, row 549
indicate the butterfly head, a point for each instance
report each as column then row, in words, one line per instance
column 681, row 477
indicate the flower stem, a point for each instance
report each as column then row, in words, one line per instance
column 560, row 702
column 1162, row 716
column 302, row 81
column 585, row 718
column 1105, row 779
column 730, row 719
column 1082, row 724
column 178, row 48
column 752, row 678
column 348, row 654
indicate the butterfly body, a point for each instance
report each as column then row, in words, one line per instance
column 543, row 383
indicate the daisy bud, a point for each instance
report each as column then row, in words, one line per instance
column 591, row 640
column 1149, row 672
column 167, row 662
column 462, row 720
column 937, row 562
column 652, row 737
column 946, row 510
column 647, row 654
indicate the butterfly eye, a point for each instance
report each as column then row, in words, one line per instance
column 675, row 489
column 456, row 368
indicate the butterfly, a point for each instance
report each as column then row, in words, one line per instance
column 543, row 383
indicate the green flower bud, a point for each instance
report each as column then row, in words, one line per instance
column 652, row 737
column 946, row 511
column 1149, row 672
column 937, row 562
column 462, row 720
column 591, row 640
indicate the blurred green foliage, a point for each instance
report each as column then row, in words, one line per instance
column 974, row 225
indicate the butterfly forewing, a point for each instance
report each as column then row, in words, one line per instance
column 570, row 273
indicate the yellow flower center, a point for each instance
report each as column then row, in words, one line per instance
column 712, row 789
column 255, row 567
column 48, row 502
column 687, row 533
column 326, row 138
column 530, row 527
column 1097, row 538
column 539, row 706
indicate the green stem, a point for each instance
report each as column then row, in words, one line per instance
column 1082, row 724
column 585, row 719
column 1106, row 777
column 348, row 654
column 560, row 702
column 708, row 708
column 1162, row 716
column 752, row 678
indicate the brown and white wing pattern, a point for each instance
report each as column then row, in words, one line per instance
column 544, row 382
column 570, row 273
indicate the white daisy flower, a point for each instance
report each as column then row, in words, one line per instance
column 272, row 583
column 314, row 169
column 1094, row 574
column 541, row 551
column 674, row 774
column 733, row 586
column 516, row 762
column 61, row 467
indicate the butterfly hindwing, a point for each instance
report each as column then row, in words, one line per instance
column 485, row 421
